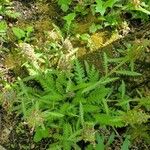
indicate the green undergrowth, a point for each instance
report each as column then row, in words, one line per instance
column 72, row 106
column 103, row 14
column 72, row 103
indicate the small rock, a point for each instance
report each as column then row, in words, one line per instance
column 1, row 17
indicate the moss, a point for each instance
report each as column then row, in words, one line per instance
column 16, row 66
column 46, row 9
column 98, row 39
column 81, row 51
column 82, row 26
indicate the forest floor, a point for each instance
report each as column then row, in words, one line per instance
column 14, row 132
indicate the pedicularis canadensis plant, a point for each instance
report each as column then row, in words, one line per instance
column 67, row 106
column 71, row 107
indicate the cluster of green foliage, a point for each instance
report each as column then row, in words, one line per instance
column 6, row 13
column 72, row 106
column 108, row 13
column 66, row 106
column 6, row 10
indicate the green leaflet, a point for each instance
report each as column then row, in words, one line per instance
column 98, row 95
column 105, row 63
column 122, row 89
column 3, row 27
column 69, row 18
column 81, row 110
column 127, row 73
column 92, row 72
column 79, row 73
column 100, row 142
column 19, row 33
column 126, row 143
column 102, row 81
column 64, row 4
column 101, row 5
column 48, row 115
column 40, row 134
column 105, row 119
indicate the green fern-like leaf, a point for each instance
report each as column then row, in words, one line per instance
column 67, row 131
column 47, row 81
column 127, row 73
column 145, row 101
column 126, row 143
column 48, row 115
column 100, row 142
column 105, row 63
column 115, row 60
column 102, row 81
column 68, row 109
column 122, row 89
column 81, row 113
column 109, row 120
column 79, row 72
column 61, row 83
column 96, row 96
column 89, row 108
column 52, row 97
column 92, row 73
column 69, row 137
